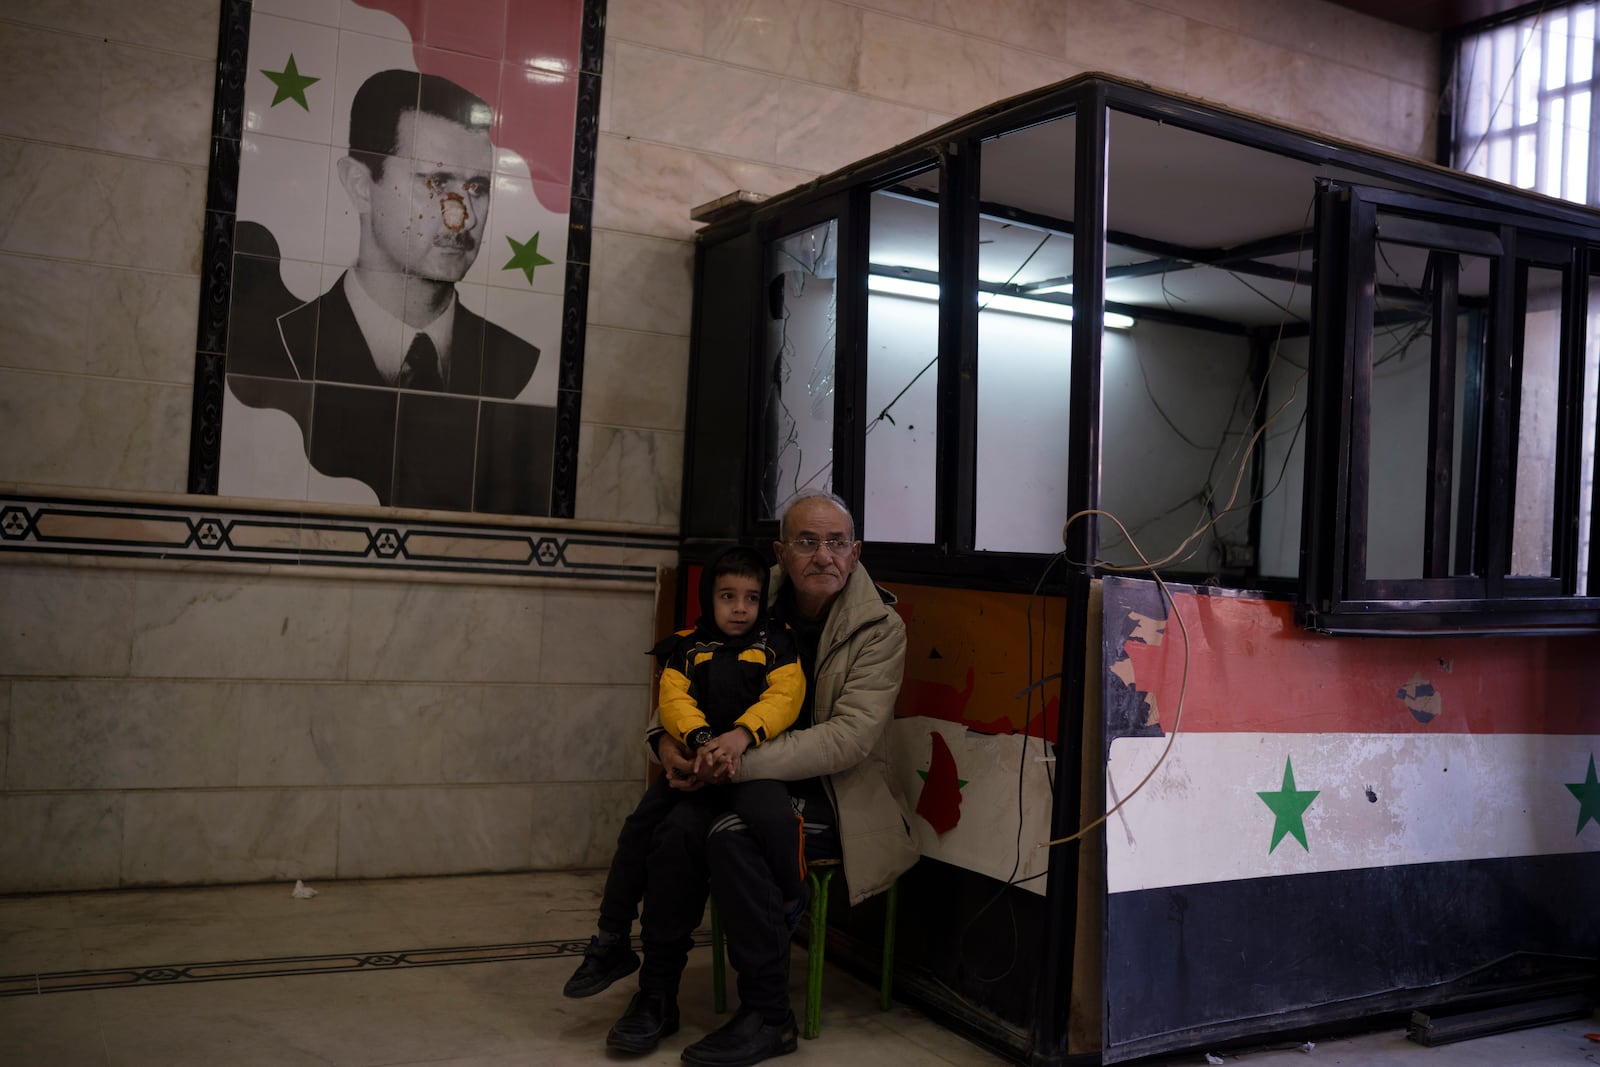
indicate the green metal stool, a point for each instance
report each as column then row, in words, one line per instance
column 819, row 873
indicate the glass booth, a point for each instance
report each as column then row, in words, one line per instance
column 1233, row 481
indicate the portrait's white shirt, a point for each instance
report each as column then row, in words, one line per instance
column 381, row 329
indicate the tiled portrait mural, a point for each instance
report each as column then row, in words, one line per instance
column 403, row 225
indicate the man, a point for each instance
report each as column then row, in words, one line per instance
column 419, row 173
column 835, row 757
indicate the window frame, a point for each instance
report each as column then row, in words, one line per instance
column 1337, row 596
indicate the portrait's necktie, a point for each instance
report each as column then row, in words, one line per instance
column 421, row 368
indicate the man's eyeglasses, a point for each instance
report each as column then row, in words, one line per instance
column 807, row 546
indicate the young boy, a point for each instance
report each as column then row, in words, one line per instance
column 732, row 681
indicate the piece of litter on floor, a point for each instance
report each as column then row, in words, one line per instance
column 1309, row 1046
column 1213, row 1059
column 302, row 891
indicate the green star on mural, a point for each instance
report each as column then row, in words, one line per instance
column 961, row 783
column 525, row 256
column 292, row 85
column 1289, row 808
column 1588, row 794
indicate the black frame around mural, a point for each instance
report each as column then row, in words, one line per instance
column 216, row 262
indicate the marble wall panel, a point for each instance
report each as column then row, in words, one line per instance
column 1022, row 71
column 1413, row 121
column 64, row 430
column 1130, row 39
column 445, row 633
column 136, row 321
column 60, row 622
column 598, row 637
column 156, row 105
column 678, row 25
column 1311, row 26
column 609, row 62
column 350, row 734
column 629, row 475
column 1026, row 23
column 493, row 739
column 1039, row 25
column 643, row 187
column 387, row 833
column 829, row 128
column 121, row 735
column 585, row 733
column 227, row 626
column 1237, row 71
column 188, row 27
column 1371, row 44
column 5, row 729
column 1323, row 95
column 716, row 176
column 189, row 838
column 576, row 824
column 73, row 204
column 815, row 42
column 1227, row 14
column 81, row 319
column 641, row 283
column 1297, row 87
column 58, row 76
column 635, row 379
column 694, row 103
column 927, row 67
column 59, row 841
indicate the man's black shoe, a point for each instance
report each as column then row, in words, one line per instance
column 745, row 1039
column 604, row 961
column 649, row 1018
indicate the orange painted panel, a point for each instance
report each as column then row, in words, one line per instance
column 967, row 658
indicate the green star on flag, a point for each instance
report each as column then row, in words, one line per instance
column 1289, row 808
column 961, row 783
column 292, row 85
column 525, row 256
column 1588, row 794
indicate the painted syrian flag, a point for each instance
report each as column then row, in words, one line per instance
column 1338, row 820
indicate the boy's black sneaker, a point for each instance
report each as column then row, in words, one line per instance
column 608, row 957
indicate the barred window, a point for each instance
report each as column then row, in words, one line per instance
column 1523, row 106
column 1523, row 101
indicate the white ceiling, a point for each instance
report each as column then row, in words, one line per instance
column 1167, row 186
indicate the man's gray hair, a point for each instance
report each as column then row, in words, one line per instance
column 814, row 494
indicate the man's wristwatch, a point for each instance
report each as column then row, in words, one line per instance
column 696, row 738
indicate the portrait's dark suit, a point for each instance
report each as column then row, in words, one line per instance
column 457, row 448
column 323, row 343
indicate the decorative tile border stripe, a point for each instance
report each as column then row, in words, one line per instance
column 172, row 531
column 21, row 985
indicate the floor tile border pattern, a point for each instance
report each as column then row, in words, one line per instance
column 176, row 532
column 290, row 966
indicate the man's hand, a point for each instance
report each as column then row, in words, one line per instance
column 676, row 762
column 718, row 759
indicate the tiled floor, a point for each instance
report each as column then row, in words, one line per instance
column 449, row 972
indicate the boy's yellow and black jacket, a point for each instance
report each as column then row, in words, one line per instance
column 710, row 679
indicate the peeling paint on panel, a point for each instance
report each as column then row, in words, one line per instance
column 1420, row 698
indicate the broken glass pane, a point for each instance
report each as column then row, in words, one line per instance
column 801, row 330
column 902, row 353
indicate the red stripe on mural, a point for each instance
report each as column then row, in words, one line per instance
column 1252, row 669
column 522, row 58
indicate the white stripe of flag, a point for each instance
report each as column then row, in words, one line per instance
column 1381, row 800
